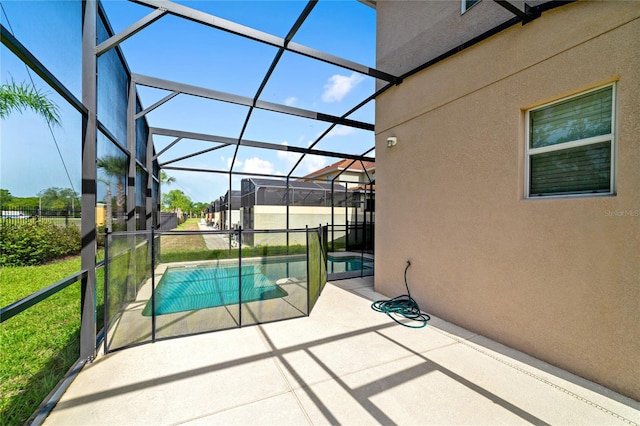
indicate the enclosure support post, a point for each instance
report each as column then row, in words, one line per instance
column 372, row 206
column 131, row 147
column 153, row 286
column 149, row 211
column 88, row 221
column 346, row 218
column 105, row 321
column 239, row 275
column 288, row 202
column 308, row 289
column 333, row 223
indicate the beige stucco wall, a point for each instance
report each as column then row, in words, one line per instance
column 223, row 218
column 346, row 176
column 411, row 34
column 275, row 217
column 556, row 278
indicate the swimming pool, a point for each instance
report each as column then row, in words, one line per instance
column 206, row 286
column 200, row 286
column 338, row 264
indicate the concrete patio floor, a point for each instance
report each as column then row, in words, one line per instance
column 344, row 364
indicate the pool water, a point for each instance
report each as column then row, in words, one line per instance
column 190, row 288
column 348, row 264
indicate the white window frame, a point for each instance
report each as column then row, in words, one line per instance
column 463, row 6
column 572, row 144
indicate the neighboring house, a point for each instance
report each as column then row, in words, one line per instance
column 264, row 206
column 345, row 171
column 217, row 214
column 514, row 183
column 262, row 203
column 357, row 177
column 229, row 217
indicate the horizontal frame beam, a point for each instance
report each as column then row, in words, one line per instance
column 253, row 144
column 217, row 95
column 37, row 297
column 243, row 31
column 175, row 141
column 227, row 172
column 521, row 9
column 156, row 105
column 517, row 7
column 195, row 154
column 115, row 40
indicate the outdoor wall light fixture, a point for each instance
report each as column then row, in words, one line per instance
column 391, row 141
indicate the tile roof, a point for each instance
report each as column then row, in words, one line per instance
column 342, row 165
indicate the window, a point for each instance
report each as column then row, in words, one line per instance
column 570, row 145
column 467, row 4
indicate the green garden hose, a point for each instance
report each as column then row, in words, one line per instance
column 402, row 307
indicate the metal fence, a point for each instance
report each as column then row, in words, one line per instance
column 29, row 214
column 161, row 285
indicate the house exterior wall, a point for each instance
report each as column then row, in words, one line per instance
column 275, row 217
column 346, row 176
column 557, row 278
column 409, row 34
column 224, row 219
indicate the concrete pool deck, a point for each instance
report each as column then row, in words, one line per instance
column 344, row 364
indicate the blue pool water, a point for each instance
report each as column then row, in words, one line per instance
column 190, row 288
column 348, row 264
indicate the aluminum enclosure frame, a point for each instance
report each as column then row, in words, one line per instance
column 91, row 125
column 523, row 14
column 175, row 88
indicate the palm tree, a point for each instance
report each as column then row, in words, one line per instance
column 115, row 167
column 16, row 97
column 165, row 178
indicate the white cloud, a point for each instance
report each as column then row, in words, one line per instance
column 290, row 158
column 341, row 130
column 290, row 100
column 338, row 86
column 313, row 163
column 238, row 163
column 256, row 165
column 309, row 164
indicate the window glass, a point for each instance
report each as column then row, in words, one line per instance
column 581, row 169
column 577, row 118
column 570, row 146
column 466, row 4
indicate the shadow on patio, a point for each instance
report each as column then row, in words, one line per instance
column 345, row 364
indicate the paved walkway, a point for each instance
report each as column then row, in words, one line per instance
column 214, row 241
column 344, row 364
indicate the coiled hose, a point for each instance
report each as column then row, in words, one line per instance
column 402, row 306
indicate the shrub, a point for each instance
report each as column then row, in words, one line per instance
column 35, row 243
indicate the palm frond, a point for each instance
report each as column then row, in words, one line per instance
column 16, row 97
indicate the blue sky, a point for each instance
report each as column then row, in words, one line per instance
column 185, row 52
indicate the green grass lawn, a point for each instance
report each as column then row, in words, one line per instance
column 179, row 243
column 39, row 345
column 183, row 248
